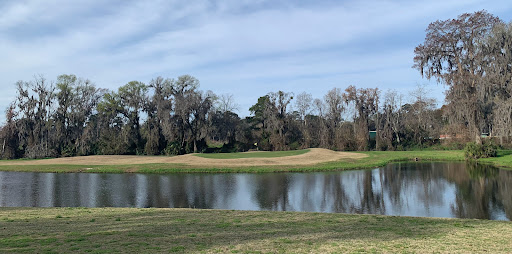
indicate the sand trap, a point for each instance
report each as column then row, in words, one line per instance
column 314, row 156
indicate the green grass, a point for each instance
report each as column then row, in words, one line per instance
column 261, row 154
column 97, row 230
column 504, row 159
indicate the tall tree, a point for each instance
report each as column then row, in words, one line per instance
column 133, row 97
column 158, row 125
column 391, row 120
column 498, row 79
column 419, row 118
column 224, row 122
column 259, row 122
column 365, row 103
column 334, row 110
column 200, row 104
column 276, row 114
column 77, row 99
column 191, row 111
column 110, row 124
column 35, row 104
column 304, row 105
column 9, row 135
column 451, row 54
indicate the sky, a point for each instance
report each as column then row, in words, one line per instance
column 246, row 48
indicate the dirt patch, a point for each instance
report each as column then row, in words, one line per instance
column 315, row 156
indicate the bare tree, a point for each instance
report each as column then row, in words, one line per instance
column 334, row 103
column 391, row 119
column 323, row 136
column 334, row 108
column 226, row 103
column 420, row 119
column 365, row 102
column 303, row 103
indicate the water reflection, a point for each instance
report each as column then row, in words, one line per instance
column 412, row 189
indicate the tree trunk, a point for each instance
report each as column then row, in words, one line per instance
column 478, row 139
column 377, row 147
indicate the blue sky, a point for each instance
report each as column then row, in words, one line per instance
column 240, row 47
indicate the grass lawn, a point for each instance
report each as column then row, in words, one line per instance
column 261, row 154
column 134, row 230
column 504, row 159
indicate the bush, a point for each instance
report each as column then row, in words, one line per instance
column 174, row 148
column 231, row 147
column 294, row 146
column 474, row 151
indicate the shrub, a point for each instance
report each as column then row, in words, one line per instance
column 232, row 147
column 474, row 151
column 294, row 146
column 174, row 148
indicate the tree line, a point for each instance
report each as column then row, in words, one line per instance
column 71, row 116
column 471, row 55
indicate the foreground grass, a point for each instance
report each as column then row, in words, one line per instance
column 262, row 154
column 134, row 230
column 374, row 159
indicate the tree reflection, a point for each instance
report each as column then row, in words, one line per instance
column 334, row 194
column 477, row 191
column 272, row 191
column 481, row 171
column 370, row 201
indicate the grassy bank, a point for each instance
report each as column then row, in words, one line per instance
column 504, row 160
column 374, row 159
column 122, row 230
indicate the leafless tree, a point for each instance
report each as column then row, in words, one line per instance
column 304, row 105
column 365, row 103
column 226, row 103
column 391, row 119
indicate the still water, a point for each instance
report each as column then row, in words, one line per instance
column 411, row 189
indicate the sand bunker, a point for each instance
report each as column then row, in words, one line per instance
column 314, row 156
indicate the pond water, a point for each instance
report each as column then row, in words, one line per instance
column 431, row 189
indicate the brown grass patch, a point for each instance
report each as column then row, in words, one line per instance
column 315, row 156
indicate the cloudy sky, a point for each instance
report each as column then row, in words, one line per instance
column 242, row 47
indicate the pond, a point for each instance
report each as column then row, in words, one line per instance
column 434, row 189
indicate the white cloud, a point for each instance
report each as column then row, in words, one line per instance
column 261, row 45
